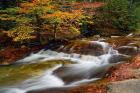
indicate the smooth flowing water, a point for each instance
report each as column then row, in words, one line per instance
column 85, row 68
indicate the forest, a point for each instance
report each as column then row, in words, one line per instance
column 39, row 21
column 96, row 42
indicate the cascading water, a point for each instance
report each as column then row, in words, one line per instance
column 46, row 80
column 86, row 68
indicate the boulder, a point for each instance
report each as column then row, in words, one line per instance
column 118, row 58
column 127, row 86
column 84, row 47
column 128, row 50
column 70, row 74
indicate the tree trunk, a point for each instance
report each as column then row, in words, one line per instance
column 55, row 30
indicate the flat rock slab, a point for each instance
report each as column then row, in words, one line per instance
column 127, row 86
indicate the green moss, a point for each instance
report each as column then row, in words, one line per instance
column 13, row 74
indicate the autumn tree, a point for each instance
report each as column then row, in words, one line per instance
column 32, row 18
column 63, row 21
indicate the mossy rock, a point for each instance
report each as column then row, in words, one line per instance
column 10, row 75
column 122, row 41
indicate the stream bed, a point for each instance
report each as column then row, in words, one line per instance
column 50, row 69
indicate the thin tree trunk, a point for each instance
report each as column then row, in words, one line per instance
column 55, row 30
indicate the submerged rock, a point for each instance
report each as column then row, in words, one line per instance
column 70, row 74
column 118, row 58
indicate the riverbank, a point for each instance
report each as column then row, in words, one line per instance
column 9, row 54
column 90, row 50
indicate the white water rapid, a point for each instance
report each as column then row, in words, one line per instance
column 85, row 69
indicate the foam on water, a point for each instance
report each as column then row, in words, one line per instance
column 12, row 90
column 83, row 81
column 103, row 44
column 49, row 80
column 46, row 80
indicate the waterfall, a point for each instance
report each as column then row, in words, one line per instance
column 84, row 69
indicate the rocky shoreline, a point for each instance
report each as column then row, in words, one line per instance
column 122, row 77
column 119, row 77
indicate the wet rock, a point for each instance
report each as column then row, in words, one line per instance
column 118, row 58
column 127, row 86
column 70, row 74
column 128, row 50
column 93, row 49
column 96, row 49
column 84, row 47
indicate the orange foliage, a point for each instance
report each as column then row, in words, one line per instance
column 13, row 54
column 89, row 5
column 125, row 71
column 27, row 5
column 63, row 15
column 136, row 62
column 24, row 11
column 26, row 8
